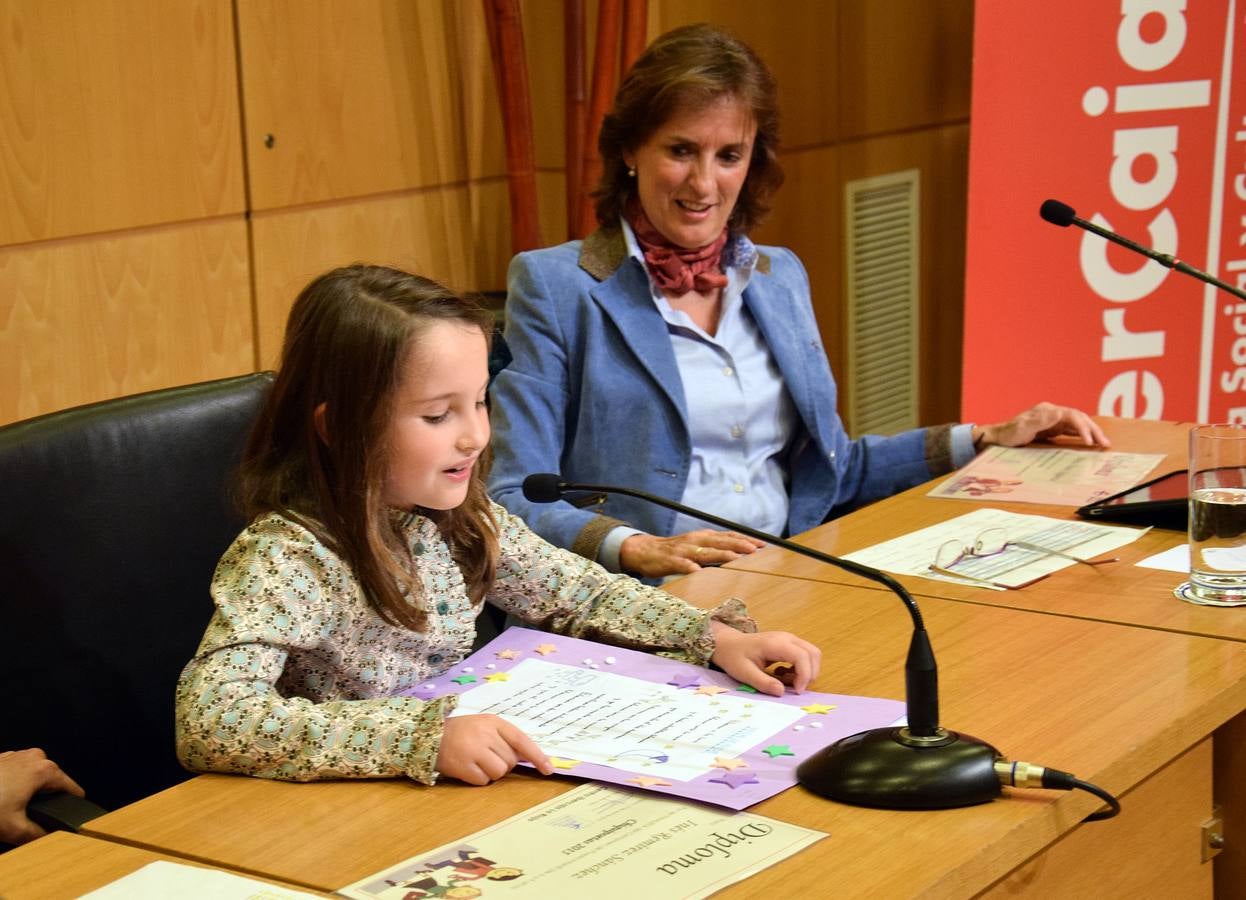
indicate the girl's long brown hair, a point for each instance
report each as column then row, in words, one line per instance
column 347, row 338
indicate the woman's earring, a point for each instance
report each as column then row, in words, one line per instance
column 631, row 171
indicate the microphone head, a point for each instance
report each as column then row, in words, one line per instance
column 1057, row 213
column 542, row 488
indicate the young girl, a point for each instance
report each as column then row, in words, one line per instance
column 373, row 546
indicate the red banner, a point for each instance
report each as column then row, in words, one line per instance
column 1134, row 114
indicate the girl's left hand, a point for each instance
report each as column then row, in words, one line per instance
column 745, row 656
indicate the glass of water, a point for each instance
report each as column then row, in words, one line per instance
column 1217, row 516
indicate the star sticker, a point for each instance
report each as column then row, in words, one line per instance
column 506, row 654
column 648, row 781
column 747, row 688
column 464, row 679
column 734, row 780
column 729, row 764
column 685, row 681
column 498, row 676
column 710, row 690
column 559, row 763
column 818, row 709
column 545, row 649
column 778, row 750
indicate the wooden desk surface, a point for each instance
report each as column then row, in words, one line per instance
column 1121, row 592
column 1108, row 703
column 68, row 865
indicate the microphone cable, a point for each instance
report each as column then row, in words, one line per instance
column 1028, row 775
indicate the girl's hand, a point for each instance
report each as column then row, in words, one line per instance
column 481, row 749
column 745, row 656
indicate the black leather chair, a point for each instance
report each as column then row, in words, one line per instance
column 112, row 519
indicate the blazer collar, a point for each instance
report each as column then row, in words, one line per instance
column 624, row 296
column 603, row 251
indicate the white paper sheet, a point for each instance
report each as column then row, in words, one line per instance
column 161, row 880
column 1174, row 559
column 613, row 720
column 913, row 554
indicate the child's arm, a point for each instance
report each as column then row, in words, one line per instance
column 290, row 642
column 232, row 718
column 563, row 592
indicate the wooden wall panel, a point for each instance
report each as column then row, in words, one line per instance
column 797, row 42
column 808, row 218
column 92, row 318
column 903, row 64
column 942, row 156
column 432, row 232
column 116, row 114
column 365, row 97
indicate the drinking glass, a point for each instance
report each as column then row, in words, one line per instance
column 1217, row 516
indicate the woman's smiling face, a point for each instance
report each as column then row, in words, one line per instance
column 690, row 171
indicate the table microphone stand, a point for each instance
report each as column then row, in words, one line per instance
column 919, row 765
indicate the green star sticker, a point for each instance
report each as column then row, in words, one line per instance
column 464, row 679
column 778, row 750
column 747, row 688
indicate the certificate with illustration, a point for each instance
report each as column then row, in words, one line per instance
column 641, row 720
column 1054, row 475
column 595, row 841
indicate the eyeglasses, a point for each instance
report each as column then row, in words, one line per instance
column 993, row 542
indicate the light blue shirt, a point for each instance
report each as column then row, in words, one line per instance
column 742, row 419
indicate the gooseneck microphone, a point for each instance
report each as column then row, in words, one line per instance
column 920, row 765
column 1062, row 214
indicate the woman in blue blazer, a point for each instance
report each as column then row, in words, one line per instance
column 666, row 352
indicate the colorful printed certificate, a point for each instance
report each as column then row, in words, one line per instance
column 595, row 841
column 642, row 720
column 1046, row 475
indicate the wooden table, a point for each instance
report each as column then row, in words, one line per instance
column 68, row 865
column 1129, row 709
column 1120, row 592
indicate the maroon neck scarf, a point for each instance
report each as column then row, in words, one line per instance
column 675, row 270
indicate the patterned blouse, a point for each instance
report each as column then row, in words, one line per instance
column 296, row 675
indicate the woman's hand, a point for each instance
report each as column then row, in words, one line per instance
column 24, row 773
column 481, row 749
column 647, row 556
column 745, row 656
column 1039, row 423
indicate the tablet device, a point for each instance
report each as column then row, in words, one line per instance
column 1162, row 502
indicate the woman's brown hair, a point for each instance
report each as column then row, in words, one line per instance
column 690, row 68
column 347, row 339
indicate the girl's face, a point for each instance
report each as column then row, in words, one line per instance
column 690, row 171
column 439, row 426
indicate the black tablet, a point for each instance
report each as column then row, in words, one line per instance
column 1163, row 502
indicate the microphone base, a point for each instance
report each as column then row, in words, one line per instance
column 888, row 768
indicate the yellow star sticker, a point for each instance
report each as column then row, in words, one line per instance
column 648, row 781
column 506, row 654
column 818, row 709
column 710, row 690
column 728, row 764
column 545, row 649
column 498, row 676
column 559, row 763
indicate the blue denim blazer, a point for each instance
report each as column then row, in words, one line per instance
column 593, row 392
